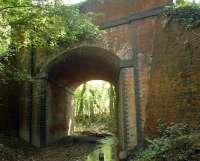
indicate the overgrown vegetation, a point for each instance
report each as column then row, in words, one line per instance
column 176, row 142
column 184, row 12
column 95, row 107
column 39, row 24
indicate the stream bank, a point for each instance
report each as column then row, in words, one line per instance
column 73, row 148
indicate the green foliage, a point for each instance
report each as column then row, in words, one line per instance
column 182, row 3
column 27, row 24
column 173, row 130
column 173, row 144
column 185, row 13
column 95, row 105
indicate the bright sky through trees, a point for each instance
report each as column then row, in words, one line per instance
column 72, row 1
column 69, row 2
column 197, row 1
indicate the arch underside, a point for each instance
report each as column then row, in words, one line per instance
column 84, row 64
column 65, row 74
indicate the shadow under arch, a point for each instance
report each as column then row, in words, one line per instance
column 82, row 64
column 65, row 74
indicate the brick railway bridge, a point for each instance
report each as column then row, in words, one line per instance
column 155, row 74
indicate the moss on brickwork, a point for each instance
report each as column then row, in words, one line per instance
column 186, row 14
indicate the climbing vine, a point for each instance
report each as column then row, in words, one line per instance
column 185, row 13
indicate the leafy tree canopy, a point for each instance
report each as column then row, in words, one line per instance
column 39, row 24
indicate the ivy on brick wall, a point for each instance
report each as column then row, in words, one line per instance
column 185, row 13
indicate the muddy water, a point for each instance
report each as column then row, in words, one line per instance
column 106, row 149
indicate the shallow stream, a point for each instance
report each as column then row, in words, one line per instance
column 107, row 148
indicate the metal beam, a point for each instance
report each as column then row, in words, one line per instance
column 132, row 17
column 137, row 84
column 127, row 63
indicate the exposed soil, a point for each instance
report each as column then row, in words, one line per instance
column 67, row 149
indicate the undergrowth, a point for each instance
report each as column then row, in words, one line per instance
column 175, row 142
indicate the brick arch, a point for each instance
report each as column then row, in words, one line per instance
column 84, row 63
column 129, row 30
column 136, row 35
column 65, row 74
column 104, row 43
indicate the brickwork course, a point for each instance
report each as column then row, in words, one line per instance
column 155, row 69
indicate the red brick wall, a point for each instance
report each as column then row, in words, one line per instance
column 107, row 10
column 142, row 5
column 118, row 41
column 115, row 9
column 175, row 77
column 145, row 30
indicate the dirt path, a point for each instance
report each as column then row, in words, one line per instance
column 68, row 149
